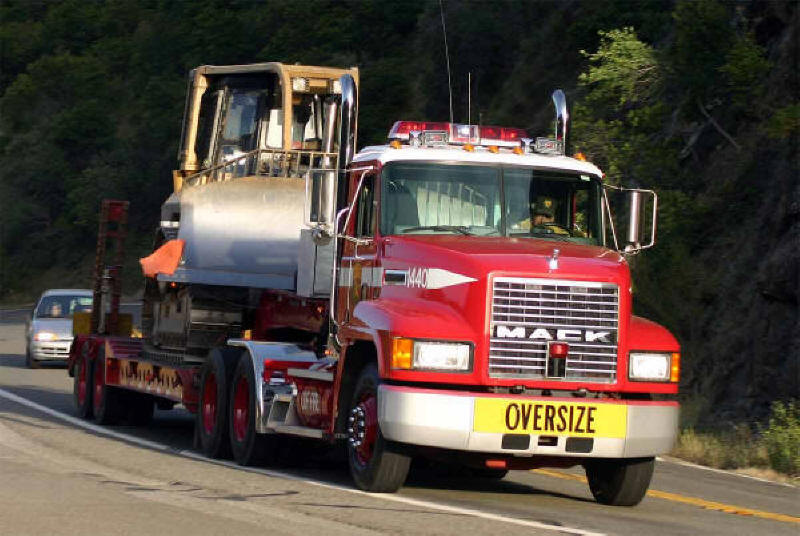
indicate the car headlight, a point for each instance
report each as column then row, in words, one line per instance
column 431, row 355
column 654, row 366
column 45, row 336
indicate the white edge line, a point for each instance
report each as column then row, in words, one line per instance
column 280, row 474
column 678, row 461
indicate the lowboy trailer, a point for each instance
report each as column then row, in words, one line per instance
column 459, row 293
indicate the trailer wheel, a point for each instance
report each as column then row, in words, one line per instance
column 375, row 464
column 81, row 384
column 212, row 413
column 620, row 482
column 140, row 409
column 107, row 402
column 248, row 446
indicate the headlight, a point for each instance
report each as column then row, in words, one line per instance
column 45, row 336
column 431, row 355
column 654, row 366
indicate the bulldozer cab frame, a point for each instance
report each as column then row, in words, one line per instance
column 261, row 119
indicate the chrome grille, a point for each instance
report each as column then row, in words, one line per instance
column 526, row 313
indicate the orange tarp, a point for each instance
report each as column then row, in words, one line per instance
column 164, row 260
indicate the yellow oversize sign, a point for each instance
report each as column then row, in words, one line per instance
column 539, row 417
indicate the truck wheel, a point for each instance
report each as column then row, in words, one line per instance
column 248, row 446
column 106, row 401
column 212, row 413
column 375, row 465
column 82, row 384
column 140, row 409
column 620, row 482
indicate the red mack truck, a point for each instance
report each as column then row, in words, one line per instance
column 460, row 293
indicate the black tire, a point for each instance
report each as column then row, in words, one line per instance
column 107, row 402
column 620, row 482
column 140, row 409
column 82, row 383
column 211, row 423
column 382, row 469
column 247, row 446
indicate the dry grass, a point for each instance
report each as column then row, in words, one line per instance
column 771, row 451
column 732, row 450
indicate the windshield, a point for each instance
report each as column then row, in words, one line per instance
column 424, row 198
column 63, row 306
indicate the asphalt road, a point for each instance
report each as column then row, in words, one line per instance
column 61, row 475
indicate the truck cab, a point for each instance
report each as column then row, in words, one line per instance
column 483, row 271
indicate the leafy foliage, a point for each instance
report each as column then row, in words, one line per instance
column 782, row 437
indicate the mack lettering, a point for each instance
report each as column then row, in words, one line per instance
column 543, row 334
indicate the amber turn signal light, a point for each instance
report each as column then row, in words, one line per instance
column 401, row 353
column 675, row 368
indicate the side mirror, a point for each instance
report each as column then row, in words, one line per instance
column 642, row 208
column 640, row 202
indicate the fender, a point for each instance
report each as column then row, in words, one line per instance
column 78, row 344
column 382, row 319
column 647, row 335
column 258, row 351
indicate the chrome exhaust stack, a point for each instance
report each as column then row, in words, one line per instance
column 348, row 119
column 327, row 198
column 562, row 118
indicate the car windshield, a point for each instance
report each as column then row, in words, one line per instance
column 63, row 306
column 424, row 198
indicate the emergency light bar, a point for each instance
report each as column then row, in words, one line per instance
column 460, row 134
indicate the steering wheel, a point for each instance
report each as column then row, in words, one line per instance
column 552, row 228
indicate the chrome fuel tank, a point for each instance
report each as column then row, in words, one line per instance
column 243, row 232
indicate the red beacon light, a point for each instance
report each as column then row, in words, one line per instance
column 458, row 134
column 401, row 130
column 502, row 136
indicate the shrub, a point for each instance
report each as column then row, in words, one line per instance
column 782, row 437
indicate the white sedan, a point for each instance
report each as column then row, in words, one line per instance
column 49, row 331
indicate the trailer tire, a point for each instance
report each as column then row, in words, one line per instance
column 82, row 384
column 375, row 463
column 620, row 482
column 140, row 409
column 211, row 420
column 247, row 446
column 107, row 402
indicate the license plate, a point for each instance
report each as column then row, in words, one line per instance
column 575, row 419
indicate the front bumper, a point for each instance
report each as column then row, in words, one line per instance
column 50, row 350
column 446, row 419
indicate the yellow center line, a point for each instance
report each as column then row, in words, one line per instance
column 685, row 499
